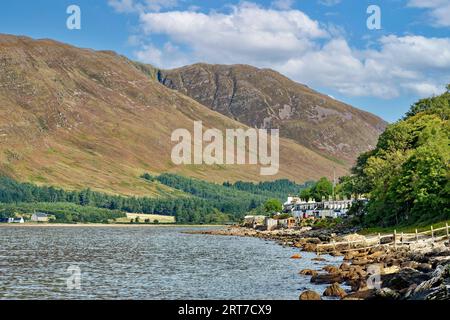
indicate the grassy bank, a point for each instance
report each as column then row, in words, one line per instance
column 61, row 212
column 406, row 229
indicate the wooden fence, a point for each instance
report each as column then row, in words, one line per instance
column 395, row 239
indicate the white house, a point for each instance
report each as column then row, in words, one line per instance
column 253, row 221
column 270, row 223
column 39, row 217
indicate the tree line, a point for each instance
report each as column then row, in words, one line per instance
column 407, row 175
column 199, row 202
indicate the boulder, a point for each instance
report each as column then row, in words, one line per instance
column 334, row 291
column 436, row 288
column 409, row 264
column 386, row 240
column 324, row 237
column 309, row 247
column 309, row 295
column 313, row 240
column 296, row 256
column 349, row 256
column 424, row 267
column 390, row 270
column 360, row 262
column 344, row 267
column 376, row 255
column 357, row 284
column 361, row 295
column 308, row 272
column 403, row 279
column 388, row 294
column 327, row 278
column 318, row 259
column 330, row 269
column 419, row 257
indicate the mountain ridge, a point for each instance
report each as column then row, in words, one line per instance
column 79, row 118
column 266, row 98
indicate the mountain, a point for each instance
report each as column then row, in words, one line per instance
column 264, row 98
column 78, row 118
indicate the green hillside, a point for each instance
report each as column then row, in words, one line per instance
column 194, row 201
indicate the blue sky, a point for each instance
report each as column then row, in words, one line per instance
column 322, row 43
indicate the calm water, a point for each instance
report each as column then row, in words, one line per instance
column 147, row 263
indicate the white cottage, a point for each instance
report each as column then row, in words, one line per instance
column 39, row 217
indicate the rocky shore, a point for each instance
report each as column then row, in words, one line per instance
column 414, row 272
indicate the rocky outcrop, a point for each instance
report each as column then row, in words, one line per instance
column 327, row 278
column 436, row 288
column 310, row 295
column 334, row 291
column 308, row 272
column 381, row 273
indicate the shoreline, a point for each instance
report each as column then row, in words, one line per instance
column 415, row 272
column 104, row 225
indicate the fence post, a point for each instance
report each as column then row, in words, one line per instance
column 446, row 226
column 334, row 245
column 348, row 243
column 395, row 239
column 379, row 239
column 417, row 236
column 432, row 234
column 401, row 239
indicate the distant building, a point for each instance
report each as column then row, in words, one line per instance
column 39, row 217
column 287, row 223
column 253, row 221
column 288, row 206
column 270, row 223
column 302, row 208
column 12, row 220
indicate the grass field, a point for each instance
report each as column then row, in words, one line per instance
column 143, row 217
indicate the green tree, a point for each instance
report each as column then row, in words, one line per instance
column 407, row 175
column 273, row 205
column 306, row 193
column 323, row 188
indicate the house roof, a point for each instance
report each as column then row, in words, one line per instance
column 41, row 215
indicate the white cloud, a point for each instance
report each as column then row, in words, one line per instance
column 305, row 50
column 248, row 32
column 169, row 56
column 411, row 64
column 439, row 10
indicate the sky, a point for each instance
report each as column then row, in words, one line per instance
column 325, row 44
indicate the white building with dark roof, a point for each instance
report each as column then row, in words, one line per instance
column 39, row 217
